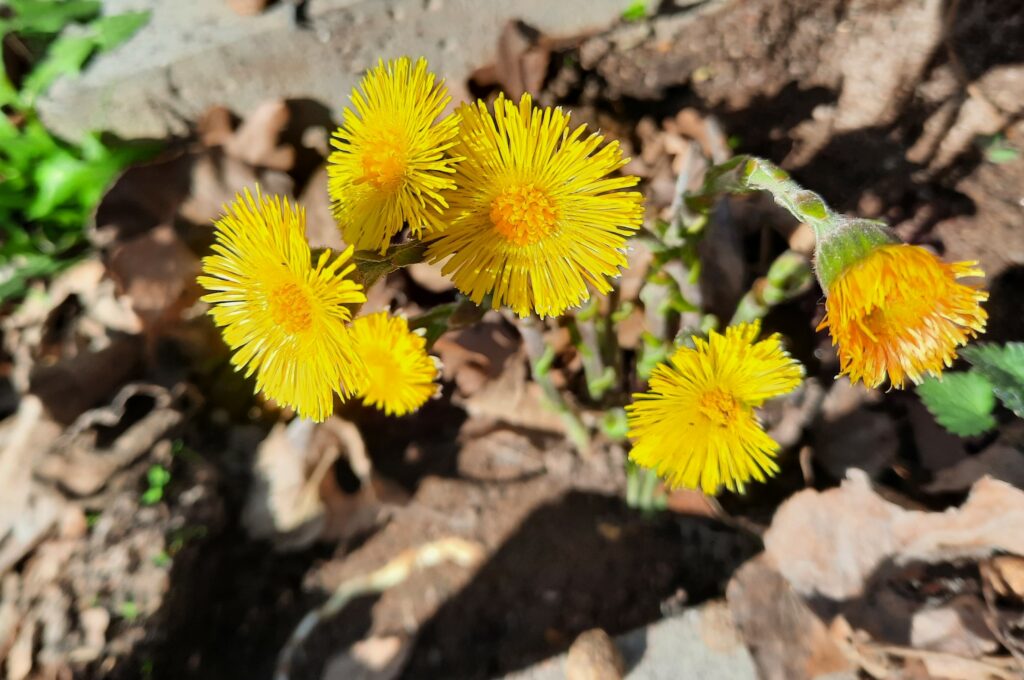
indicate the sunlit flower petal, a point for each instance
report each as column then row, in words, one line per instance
column 391, row 167
column 535, row 217
column 399, row 375
column 900, row 311
column 284, row 317
column 696, row 426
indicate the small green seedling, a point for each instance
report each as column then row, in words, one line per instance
column 129, row 611
column 158, row 478
column 998, row 150
column 636, row 11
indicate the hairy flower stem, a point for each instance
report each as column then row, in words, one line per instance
column 541, row 355
column 840, row 239
column 642, row 489
column 372, row 266
column 593, row 345
column 743, row 174
column 438, row 320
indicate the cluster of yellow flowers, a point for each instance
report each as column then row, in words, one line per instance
column 516, row 205
column 894, row 311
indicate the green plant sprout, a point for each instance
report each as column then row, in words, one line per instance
column 158, row 478
column 636, row 11
column 998, row 150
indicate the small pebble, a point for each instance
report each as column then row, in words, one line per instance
column 593, row 656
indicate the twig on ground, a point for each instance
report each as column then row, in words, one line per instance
column 462, row 552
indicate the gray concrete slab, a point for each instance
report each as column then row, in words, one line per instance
column 197, row 53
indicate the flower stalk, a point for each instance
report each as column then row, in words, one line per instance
column 541, row 356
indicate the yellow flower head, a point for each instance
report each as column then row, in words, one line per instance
column 696, row 426
column 283, row 317
column 535, row 217
column 899, row 310
column 399, row 375
column 390, row 167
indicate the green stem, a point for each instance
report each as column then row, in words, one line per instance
column 788, row 276
column 371, row 266
column 841, row 240
column 647, row 489
column 632, row 485
column 588, row 341
column 541, row 355
column 743, row 174
column 447, row 317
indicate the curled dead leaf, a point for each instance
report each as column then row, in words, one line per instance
column 828, row 542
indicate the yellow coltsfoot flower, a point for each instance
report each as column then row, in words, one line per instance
column 894, row 309
column 399, row 376
column 284, row 317
column 535, row 217
column 391, row 166
column 696, row 426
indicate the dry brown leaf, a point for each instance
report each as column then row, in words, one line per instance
column 79, row 314
column 71, row 386
column 284, row 501
column 256, row 141
column 20, row 656
column 216, row 179
column 157, row 272
column 321, row 229
column 478, row 354
column 957, row 627
column 27, row 510
column 215, row 126
column 786, row 639
column 1006, row 574
column 295, row 500
column 143, row 197
column 521, row 62
column 829, row 542
column 77, row 463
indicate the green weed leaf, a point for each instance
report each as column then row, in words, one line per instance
column 109, row 32
column 961, row 402
column 65, row 57
column 636, row 11
column 41, row 17
column 1003, row 365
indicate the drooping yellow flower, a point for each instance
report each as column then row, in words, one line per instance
column 900, row 311
column 696, row 426
column 284, row 318
column 399, row 375
column 535, row 217
column 390, row 167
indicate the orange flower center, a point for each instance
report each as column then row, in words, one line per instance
column 385, row 163
column 290, row 308
column 524, row 215
column 718, row 406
